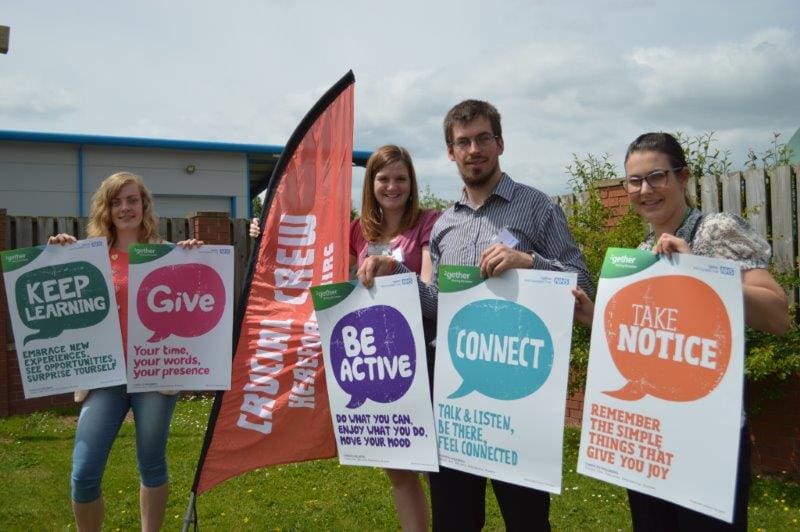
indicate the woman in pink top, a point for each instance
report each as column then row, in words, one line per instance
column 392, row 223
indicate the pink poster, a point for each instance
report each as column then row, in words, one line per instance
column 180, row 317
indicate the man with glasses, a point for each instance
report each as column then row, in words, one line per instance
column 497, row 224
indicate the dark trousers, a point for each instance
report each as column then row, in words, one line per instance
column 650, row 514
column 458, row 503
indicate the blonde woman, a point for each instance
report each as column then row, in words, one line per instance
column 123, row 213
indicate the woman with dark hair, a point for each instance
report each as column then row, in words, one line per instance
column 123, row 213
column 656, row 182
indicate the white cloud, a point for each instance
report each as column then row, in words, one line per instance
column 574, row 77
column 34, row 99
column 725, row 85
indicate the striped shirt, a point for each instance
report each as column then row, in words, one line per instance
column 462, row 233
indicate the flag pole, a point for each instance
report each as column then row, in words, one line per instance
column 191, row 514
column 272, row 186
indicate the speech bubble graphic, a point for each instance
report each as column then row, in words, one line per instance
column 55, row 298
column 186, row 300
column 500, row 349
column 670, row 337
column 373, row 355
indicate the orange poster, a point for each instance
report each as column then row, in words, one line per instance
column 663, row 402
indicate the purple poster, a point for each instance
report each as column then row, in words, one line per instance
column 376, row 373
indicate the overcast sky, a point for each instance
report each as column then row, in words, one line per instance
column 568, row 77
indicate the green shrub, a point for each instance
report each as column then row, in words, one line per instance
column 589, row 220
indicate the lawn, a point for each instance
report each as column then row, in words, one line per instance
column 35, row 461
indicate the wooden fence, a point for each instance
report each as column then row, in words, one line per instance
column 767, row 199
column 27, row 231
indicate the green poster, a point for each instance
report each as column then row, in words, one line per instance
column 64, row 316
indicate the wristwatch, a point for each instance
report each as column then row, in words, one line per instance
column 532, row 253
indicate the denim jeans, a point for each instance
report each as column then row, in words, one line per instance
column 101, row 417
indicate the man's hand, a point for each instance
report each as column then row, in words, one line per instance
column 498, row 258
column 584, row 307
column 375, row 266
column 254, row 230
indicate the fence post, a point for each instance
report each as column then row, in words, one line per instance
column 4, row 324
column 732, row 192
column 756, row 196
column 709, row 201
column 780, row 181
column 780, row 187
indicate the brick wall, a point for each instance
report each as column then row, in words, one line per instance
column 775, row 426
column 574, row 413
column 615, row 198
column 212, row 227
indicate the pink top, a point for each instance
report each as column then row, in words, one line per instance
column 410, row 242
column 119, row 273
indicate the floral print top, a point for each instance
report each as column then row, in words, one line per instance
column 721, row 235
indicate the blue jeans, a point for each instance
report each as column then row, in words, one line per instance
column 101, row 417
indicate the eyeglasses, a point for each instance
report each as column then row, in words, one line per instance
column 656, row 179
column 481, row 141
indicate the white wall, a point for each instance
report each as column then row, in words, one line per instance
column 40, row 179
column 182, row 206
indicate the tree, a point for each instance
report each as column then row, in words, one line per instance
column 428, row 200
column 258, row 204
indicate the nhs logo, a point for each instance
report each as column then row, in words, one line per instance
column 560, row 280
column 725, row 270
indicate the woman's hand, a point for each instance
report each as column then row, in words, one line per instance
column 584, row 307
column 254, row 230
column 669, row 244
column 61, row 239
column 190, row 244
column 375, row 266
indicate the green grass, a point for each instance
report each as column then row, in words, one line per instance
column 35, row 462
